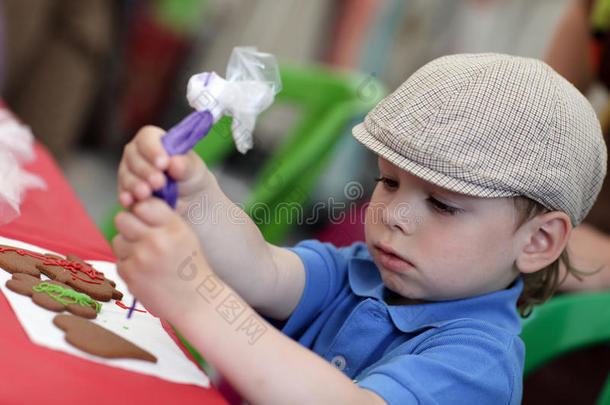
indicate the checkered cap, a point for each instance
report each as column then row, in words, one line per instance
column 492, row 125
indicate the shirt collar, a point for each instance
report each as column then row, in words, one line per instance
column 498, row 308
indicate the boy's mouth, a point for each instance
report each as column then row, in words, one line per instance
column 391, row 259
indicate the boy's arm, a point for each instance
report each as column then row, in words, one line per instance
column 269, row 278
column 265, row 366
column 159, row 259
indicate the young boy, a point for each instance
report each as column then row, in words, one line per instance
column 486, row 163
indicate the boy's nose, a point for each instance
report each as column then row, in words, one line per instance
column 400, row 216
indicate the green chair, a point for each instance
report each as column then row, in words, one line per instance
column 564, row 324
column 328, row 100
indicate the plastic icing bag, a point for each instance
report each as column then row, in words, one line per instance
column 252, row 81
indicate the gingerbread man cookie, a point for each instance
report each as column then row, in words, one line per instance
column 53, row 295
column 72, row 271
column 15, row 260
column 81, row 276
column 92, row 338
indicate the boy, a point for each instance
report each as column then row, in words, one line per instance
column 486, row 162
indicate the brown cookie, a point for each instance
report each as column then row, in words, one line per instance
column 53, row 295
column 92, row 338
column 82, row 277
column 17, row 260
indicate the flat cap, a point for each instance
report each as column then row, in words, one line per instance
column 493, row 125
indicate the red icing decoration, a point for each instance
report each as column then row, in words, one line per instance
column 73, row 267
column 120, row 304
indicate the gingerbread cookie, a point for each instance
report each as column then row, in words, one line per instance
column 16, row 260
column 54, row 296
column 92, row 338
column 81, row 276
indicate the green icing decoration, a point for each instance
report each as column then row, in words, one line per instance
column 67, row 296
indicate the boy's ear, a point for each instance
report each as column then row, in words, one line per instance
column 543, row 238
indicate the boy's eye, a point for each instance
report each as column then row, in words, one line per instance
column 388, row 183
column 442, row 207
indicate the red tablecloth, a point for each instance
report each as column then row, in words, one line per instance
column 55, row 219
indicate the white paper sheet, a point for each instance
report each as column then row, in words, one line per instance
column 142, row 329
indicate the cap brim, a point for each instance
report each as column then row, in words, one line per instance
column 435, row 177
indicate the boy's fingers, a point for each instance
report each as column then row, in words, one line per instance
column 125, row 178
column 125, row 198
column 152, row 212
column 148, row 143
column 121, row 247
column 122, row 266
column 128, row 225
column 179, row 167
column 142, row 169
column 187, row 166
column 138, row 188
column 123, row 192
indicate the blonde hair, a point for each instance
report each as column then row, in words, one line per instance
column 542, row 284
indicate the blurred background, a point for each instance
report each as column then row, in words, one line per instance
column 85, row 75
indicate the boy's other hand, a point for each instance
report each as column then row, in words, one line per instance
column 144, row 164
column 152, row 247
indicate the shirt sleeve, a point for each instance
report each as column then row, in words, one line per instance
column 325, row 275
column 450, row 368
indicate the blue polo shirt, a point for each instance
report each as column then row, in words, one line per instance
column 454, row 352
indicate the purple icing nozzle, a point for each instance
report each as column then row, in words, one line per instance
column 181, row 138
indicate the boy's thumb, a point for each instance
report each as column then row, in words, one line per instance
column 182, row 167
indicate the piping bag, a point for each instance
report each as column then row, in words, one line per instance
column 252, row 81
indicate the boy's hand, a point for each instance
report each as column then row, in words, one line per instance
column 152, row 247
column 144, row 162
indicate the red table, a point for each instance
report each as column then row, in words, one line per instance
column 55, row 219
